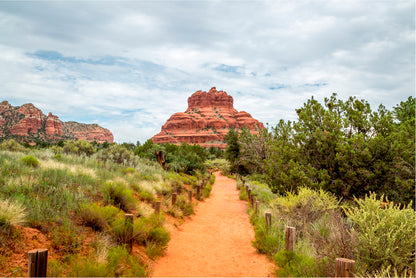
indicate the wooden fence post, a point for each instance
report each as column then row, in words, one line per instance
column 190, row 196
column 257, row 207
column 344, row 267
column 37, row 263
column 290, row 238
column 174, row 199
column 252, row 200
column 198, row 191
column 268, row 216
column 157, row 207
column 249, row 195
column 128, row 224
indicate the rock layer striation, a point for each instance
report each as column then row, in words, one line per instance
column 209, row 117
column 28, row 123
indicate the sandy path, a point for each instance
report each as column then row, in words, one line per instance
column 216, row 241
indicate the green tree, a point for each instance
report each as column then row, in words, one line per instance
column 232, row 151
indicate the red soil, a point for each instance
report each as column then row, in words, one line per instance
column 216, row 241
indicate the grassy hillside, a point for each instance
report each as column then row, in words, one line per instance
column 74, row 206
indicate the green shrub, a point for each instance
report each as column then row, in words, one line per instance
column 78, row 147
column 118, row 154
column 146, row 196
column 121, row 263
column 268, row 242
column 292, row 264
column 118, row 263
column 66, row 237
column 97, row 217
column 219, row 164
column 183, row 203
column 261, row 191
column 30, row 161
column 386, row 236
column 211, row 179
column 119, row 195
column 11, row 213
column 12, row 145
column 87, row 267
column 128, row 170
column 299, row 210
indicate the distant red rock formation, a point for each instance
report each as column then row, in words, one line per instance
column 207, row 120
column 28, row 123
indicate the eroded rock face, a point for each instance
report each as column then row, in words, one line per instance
column 207, row 120
column 53, row 126
column 89, row 132
column 28, row 123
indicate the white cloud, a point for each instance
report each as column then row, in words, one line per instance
column 128, row 66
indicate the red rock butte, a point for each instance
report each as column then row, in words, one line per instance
column 209, row 117
column 28, row 123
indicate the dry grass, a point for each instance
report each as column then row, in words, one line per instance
column 12, row 213
column 76, row 169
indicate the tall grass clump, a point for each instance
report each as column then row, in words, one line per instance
column 96, row 216
column 386, row 236
column 119, row 195
column 12, row 213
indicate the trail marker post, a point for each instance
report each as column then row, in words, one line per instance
column 268, row 216
column 290, row 238
column 157, row 207
column 344, row 267
column 174, row 199
column 190, row 196
column 128, row 224
column 37, row 263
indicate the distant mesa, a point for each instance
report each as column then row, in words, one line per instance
column 209, row 117
column 28, row 123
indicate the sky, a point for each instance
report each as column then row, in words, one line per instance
column 129, row 65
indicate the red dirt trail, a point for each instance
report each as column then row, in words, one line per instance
column 216, row 241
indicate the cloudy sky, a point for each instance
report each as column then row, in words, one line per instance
column 129, row 65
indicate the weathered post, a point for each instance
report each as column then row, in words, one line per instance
column 174, row 199
column 190, row 196
column 37, row 263
column 128, row 224
column 257, row 207
column 198, row 191
column 268, row 216
column 290, row 238
column 252, row 200
column 157, row 207
column 249, row 195
column 344, row 267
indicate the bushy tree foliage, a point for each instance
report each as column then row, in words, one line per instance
column 79, row 147
column 340, row 146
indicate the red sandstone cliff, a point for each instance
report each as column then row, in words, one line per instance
column 29, row 124
column 206, row 121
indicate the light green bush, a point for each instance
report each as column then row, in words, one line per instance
column 30, row 161
column 386, row 236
